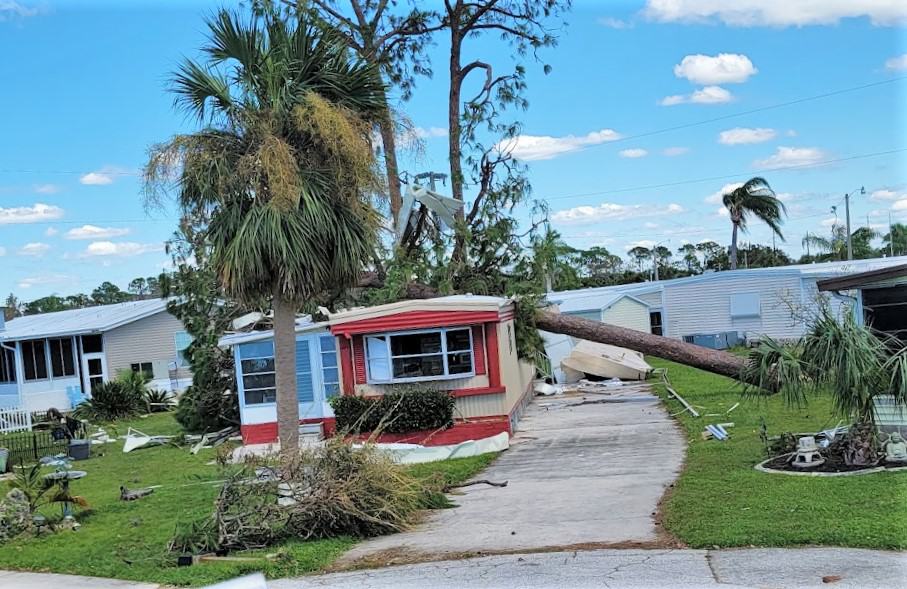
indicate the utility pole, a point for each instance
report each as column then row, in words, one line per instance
column 847, row 214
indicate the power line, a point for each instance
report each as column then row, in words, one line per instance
column 747, row 112
column 726, row 176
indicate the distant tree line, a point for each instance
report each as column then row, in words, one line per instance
column 107, row 293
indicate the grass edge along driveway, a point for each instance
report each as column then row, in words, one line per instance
column 719, row 500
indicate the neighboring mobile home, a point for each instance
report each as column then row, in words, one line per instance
column 464, row 344
column 749, row 302
column 54, row 359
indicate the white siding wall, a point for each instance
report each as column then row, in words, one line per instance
column 653, row 299
column 703, row 306
column 147, row 340
column 628, row 313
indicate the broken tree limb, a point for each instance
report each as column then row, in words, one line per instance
column 715, row 361
column 676, row 395
column 479, row 482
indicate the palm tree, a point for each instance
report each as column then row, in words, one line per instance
column 896, row 240
column 279, row 178
column 756, row 198
column 834, row 247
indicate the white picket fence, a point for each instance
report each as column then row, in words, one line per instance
column 14, row 419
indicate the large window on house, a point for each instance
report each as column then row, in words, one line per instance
column 419, row 355
column 7, row 365
column 145, row 368
column 92, row 344
column 62, row 359
column 34, row 359
column 257, row 363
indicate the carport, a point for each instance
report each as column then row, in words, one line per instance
column 881, row 297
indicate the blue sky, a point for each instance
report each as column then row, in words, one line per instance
column 84, row 96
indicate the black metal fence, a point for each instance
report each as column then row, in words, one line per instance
column 29, row 447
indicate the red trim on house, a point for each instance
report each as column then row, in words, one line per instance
column 461, row 431
column 266, row 433
column 346, row 367
column 478, row 391
column 414, row 320
column 494, row 358
column 478, row 348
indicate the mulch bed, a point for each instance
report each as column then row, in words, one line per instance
column 830, row 465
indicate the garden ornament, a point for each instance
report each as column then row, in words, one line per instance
column 807, row 455
column 895, row 448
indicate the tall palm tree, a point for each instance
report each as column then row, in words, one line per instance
column 896, row 240
column 280, row 177
column 754, row 198
column 834, row 247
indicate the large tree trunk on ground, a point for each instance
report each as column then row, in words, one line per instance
column 285, row 373
column 716, row 361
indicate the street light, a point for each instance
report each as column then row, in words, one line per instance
column 847, row 196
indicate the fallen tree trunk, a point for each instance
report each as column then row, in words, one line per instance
column 716, row 361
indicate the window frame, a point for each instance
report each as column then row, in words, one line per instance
column 444, row 353
column 244, row 374
column 72, row 357
column 7, row 366
column 44, row 349
column 150, row 371
column 336, row 367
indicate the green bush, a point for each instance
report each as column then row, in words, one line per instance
column 110, row 401
column 210, row 404
column 402, row 409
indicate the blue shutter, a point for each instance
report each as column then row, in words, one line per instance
column 305, row 390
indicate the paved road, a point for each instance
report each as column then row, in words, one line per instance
column 636, row 569
column 577, row 474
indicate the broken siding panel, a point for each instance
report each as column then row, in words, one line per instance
column 151, row 339
column 628, row 313
column 704, row 306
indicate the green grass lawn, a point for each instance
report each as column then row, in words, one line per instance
column 720, row 500
column 129, row 540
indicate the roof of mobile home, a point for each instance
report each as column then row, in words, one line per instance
column 817, row 271
column 75, row 321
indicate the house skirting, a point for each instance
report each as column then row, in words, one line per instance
column 462, row 430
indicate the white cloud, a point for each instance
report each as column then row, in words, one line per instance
column 724, row 68
column 896, row 64
column 607, row 211
column 675, row 151
column 646, row 243
column 706, row 95
column 33, row 214
column 716, row 196
column 34, row 249
column 776, row 13
column 47, row 279
column 722, row 212
column 51, row 231
column 650, row 225
column 885, row 194
column 425, row 133
column 10, row 9
column 545, row 147
column 95, row 232
column 96, row 179
column 899, row 205
column 632, row 153
column 791, row 157
column 123, row 248
column 614, row 23
column 47, row 188
column 744, row 135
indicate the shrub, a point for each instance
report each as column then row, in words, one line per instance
column 110, row 401
column 210, row 403
column 402, row 409
column 158, row 400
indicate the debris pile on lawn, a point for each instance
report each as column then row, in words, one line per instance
column 330, row 490
column 15, row 515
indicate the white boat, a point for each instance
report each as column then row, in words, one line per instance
column 606, row 361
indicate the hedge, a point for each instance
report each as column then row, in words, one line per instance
column 403, row 409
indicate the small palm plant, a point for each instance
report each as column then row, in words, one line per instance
column 840, row 357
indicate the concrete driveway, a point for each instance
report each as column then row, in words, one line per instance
column 580, row 472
